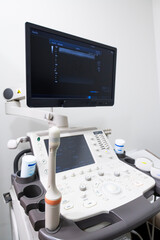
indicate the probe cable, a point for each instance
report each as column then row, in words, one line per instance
column 17, row 158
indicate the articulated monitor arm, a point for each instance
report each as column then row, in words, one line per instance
column 13, row 107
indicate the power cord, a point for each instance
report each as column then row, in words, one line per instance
column 17, row 158
column 137, row 234
column 151, row 235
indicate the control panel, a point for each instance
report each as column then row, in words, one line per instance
column 89, row 175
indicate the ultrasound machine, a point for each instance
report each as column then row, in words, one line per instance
column 81, row 189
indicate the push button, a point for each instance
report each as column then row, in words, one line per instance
column 117, row 174
column 89, row 203
column 44, row 161
column 82, row 187
column 98, row 192
column 88, row 177
column 138, row 183
column 96, row 184
column 68, row 206
column 65, row 201
column 64, row 177
column 111, row 188
column 83, row 195
column 101, row 173
column 81, row 172
column 73, row 174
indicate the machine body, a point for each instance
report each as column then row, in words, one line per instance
column 89, row 175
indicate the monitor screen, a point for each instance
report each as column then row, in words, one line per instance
column 73, row 152
column 67, row 71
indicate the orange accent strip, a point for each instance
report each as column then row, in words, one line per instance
column 53, row 202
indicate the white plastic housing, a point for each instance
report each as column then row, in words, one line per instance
column 143, row 164
column 12, row 144
column 53, row 196
column 84, row 193
column 52, row 216
column 155, row 172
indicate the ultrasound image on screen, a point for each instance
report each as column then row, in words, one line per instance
column 67, row 68
column 73, row 152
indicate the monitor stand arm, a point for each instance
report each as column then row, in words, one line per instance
column 13, row 107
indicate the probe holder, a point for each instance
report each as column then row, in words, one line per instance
column 31, row 193
column 130, row 161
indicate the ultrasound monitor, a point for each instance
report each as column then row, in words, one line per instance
column 72, row 153
column 67, row 71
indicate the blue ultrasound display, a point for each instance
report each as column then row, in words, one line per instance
column 73, row 152
column 68, row 71
column 66, row 68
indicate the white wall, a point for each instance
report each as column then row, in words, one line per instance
column 156, row 21
column 125, row 24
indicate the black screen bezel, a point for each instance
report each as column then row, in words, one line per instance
column 61, row 102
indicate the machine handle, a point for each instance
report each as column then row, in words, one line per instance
column 130, row 216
